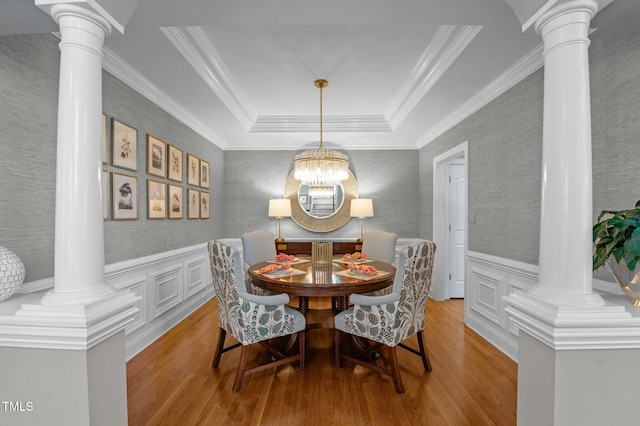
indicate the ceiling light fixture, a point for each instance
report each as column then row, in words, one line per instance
column 321, row 165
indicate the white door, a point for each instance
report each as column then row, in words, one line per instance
column 456, row 227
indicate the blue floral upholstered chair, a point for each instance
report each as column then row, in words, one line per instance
column 250, row 318
column 390, row 319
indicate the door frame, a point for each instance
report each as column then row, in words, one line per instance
column 440, row 288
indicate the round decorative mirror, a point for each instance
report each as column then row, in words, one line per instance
column 321, row 208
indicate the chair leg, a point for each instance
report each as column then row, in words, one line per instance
column 219, row 348
column 242, row 366
column 336, row 346
column 423, row 352
column 302, row 336
column 395, row 369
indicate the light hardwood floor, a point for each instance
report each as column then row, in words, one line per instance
column 472, row 383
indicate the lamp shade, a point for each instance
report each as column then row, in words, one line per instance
column 280, row 207
column 362, row 207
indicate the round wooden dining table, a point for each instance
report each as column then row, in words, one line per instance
column 335, row 281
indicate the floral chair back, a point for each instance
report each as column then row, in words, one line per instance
column 401, row 314
column 241, row 313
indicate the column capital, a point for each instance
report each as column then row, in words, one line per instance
column 577, row 11
column 81, row 27
column 116, row 12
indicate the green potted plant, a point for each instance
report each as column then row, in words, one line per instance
column 616, row 242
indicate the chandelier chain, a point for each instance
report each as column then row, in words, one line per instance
column 321, row 86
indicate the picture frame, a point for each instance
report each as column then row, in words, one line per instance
column 105, row 194
column 156, row 156
column 205, row 205
column 125, row 145
column 156, row 199
column 175, row 160
column 124, row 196
column 105, row 140
column 193, row 170
column 175, row 202
column 193, row 200
column 204, row 174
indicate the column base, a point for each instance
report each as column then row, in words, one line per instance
column 576, row 364
column 65, row 386
column 73, row 326
column 566, row 299
column 82, row 297
column 576, row 387
column 613, row 325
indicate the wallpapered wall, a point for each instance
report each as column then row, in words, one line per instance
column 505, row 150
column 390, row 178
column 29, row 67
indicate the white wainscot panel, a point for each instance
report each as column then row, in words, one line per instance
column 137, row 286
column 171, row 286
column 485, row 294
column 168, row 289
column 197, row 275
column 489, row 279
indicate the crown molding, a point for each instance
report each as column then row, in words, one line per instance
column 528, row 64
column 448, row 43
column 198, row 50
column 124, row 72
column 331, row 123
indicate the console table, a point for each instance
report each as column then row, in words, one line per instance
column 304, row 247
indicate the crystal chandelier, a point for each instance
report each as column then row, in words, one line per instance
column 321, row 166
column 322, row 190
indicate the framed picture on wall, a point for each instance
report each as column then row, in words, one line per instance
column 193, row 170
column 156, row 199
column 204, row 174
column 105, row 194
column 125, row 145
column 193, row 199
column 175, row 202
column 204, row 205
column 105, row 141
column 156, row 156
column 175, row 160
column 124, row 196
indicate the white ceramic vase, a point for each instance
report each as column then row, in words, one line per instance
column 12, row 273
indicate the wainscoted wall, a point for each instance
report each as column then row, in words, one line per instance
column 171, row 285
column 489, row 279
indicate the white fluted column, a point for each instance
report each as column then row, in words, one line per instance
column 566, row 210
column 79, row 227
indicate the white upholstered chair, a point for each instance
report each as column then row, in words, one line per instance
column 389, row 320
column 257, row 246
column 380, row 246
column 250, row 318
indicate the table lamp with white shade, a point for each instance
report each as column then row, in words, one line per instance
column 280, row 208
column 361, row 208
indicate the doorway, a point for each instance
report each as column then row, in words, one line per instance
column 450, row 230
column 456, row 225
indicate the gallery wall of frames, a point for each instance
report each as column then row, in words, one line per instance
column 177, row 183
